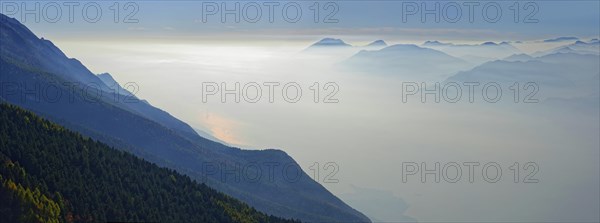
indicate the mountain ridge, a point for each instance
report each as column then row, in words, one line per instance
column 154, row 134
column 66, row 165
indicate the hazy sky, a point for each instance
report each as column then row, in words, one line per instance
column 397, row 19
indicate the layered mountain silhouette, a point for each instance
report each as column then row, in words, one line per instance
column 518, row 57
column 340, row 49
column 66, row 92
column 333, row 43
column 578, row 47
column 406, row 60
column 557, row 75
column 475, row 52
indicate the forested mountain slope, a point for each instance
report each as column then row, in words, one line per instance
column 50, row 174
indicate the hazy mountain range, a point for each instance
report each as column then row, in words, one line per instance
column 337, row 48
column 557, row 75
column 580, row 47
column 475, row 53
column 569, row 72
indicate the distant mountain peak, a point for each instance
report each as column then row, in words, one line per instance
column 401, row 47
column 518, row 57
column 591, row 42
column 331, row 42
column 378, row 43
column 489, row 44
column 434, row 43
column 561, row 39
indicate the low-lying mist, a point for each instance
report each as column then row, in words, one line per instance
column 372, row 123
